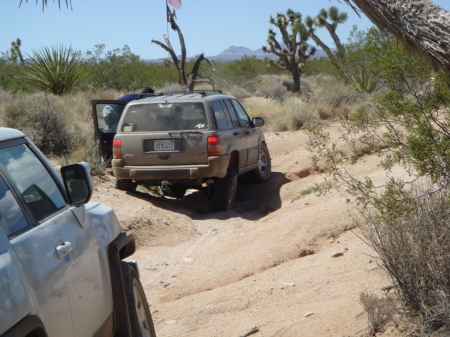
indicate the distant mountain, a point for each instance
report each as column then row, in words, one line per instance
column 234, row 53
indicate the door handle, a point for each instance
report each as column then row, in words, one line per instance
column 63, row 249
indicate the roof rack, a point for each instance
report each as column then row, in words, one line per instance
column 186, row 92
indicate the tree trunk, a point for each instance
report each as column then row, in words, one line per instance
column 420, row 25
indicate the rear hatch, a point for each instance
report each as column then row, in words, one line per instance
column 162, row 134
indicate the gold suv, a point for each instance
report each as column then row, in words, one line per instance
column 182, row 140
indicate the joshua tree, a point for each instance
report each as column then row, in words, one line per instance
column 16, row 52
column 180, row 63
column 292, row 53
column 330, row 20
column 420, row 25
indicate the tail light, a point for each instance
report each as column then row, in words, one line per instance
column 214, row 147
column 117, row 149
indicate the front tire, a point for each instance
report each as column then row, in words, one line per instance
column 262, row 173
column 225, row 192
column 141, row 322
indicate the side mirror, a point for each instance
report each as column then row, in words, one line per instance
column 78, row 182
column 257, row 121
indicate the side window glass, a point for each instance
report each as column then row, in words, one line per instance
column 233, row 115
column 12, row 219
column 33, row 181
column 243, row 117
column 219, row 113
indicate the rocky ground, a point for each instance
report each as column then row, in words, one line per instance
column 281, row 263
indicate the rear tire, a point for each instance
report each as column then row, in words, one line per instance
column 225, row 192
column 127, row 185
column 141, row 322
column 262, row 173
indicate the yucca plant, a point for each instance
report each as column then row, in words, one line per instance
column 361, row 78
column 53, row 70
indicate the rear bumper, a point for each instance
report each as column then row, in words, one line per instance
column 217, row 167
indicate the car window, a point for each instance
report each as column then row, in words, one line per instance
column 35, row 184
column 164, row 117
column 232, row 113
column 12, row 220
column 221, row 116
column 244, row 120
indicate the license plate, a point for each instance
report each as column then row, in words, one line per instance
column 165, row 145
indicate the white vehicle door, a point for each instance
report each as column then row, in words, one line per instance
column 60, row 256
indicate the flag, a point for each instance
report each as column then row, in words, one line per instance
column 174, row 3
column 169, row 14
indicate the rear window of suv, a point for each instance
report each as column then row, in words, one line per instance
column 164, row 117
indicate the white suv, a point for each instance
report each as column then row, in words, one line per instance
column 61, row 257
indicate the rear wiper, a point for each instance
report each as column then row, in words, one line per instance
column 191, row 132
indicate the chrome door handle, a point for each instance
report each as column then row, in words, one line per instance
column 63, row 249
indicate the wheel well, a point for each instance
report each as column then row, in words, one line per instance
column 234, row 160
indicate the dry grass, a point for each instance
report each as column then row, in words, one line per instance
column 380, row 311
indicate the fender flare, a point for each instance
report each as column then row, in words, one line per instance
column 122, row 247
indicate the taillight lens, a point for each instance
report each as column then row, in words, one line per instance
column 214, row 147
column 117, row 149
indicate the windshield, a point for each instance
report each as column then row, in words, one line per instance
column 164, row 117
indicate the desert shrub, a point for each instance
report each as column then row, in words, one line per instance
column 271, row 86
column 59, row 126
column 43, row 119
column 5, row 99
column 407, row 125
column 333, row 90
column 380, row 311
column 331, row 98
column 239, row 92
column 362, row 79
column 292, row 113
column 412, row 240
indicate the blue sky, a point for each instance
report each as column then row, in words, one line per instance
column 208, row 26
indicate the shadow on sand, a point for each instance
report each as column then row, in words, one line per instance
column 253, row 201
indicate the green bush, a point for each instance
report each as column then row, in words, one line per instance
column 405, row 222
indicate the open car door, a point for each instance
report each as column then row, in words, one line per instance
column 106, row 115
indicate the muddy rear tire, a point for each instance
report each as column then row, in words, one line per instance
column 126, row 185
column 225, row 192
